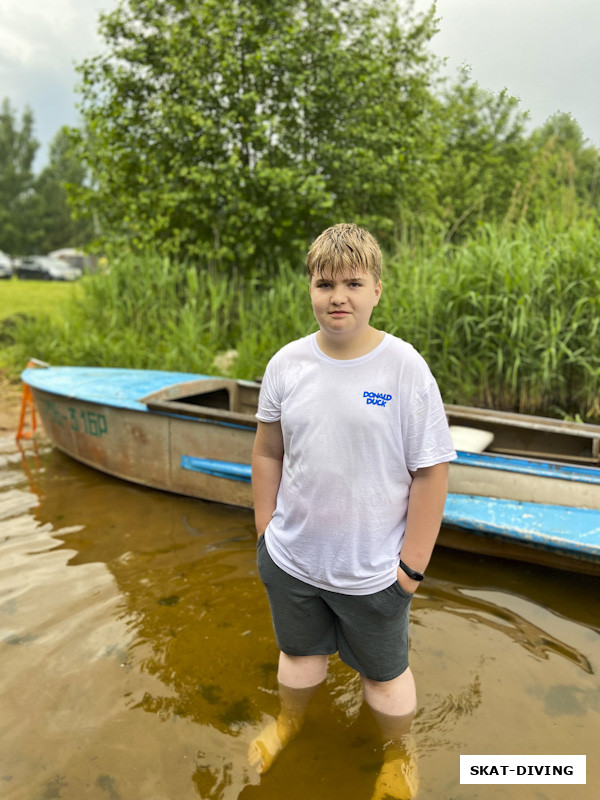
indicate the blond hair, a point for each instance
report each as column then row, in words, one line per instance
column 344, row 246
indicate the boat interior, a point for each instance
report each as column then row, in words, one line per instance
column 524, row 435
column 474, row 429
column 217, row 399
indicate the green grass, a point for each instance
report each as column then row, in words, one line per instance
column 24, row 303
column 35, row 298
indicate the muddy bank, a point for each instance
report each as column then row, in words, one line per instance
column 11, row 393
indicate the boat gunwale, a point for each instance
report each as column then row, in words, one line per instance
column 586, row 430
column 166, row 401
column 202, row 414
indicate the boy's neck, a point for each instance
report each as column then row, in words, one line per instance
column 345, row 350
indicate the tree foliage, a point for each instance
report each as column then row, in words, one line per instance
column 230, row 132
column 55, row 224
column 35, row 216
column 18, row 147
column 484, row 154
column 233, row 131
column 564, row 176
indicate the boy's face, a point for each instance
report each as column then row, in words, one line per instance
column 343, row 304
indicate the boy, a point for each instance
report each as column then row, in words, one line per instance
column 349, row 476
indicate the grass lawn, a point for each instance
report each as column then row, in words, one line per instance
column 38, row 299
column 34, row 298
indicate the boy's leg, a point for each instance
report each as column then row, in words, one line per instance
column 301, row 672
column 395, row 698
column 398, row 777
column 299, row 677
column 394, row 704
column 303, row 623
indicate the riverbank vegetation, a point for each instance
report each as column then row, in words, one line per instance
column 509, row 319
column 219, row 138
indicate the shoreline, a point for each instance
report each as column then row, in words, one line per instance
column 11, row 394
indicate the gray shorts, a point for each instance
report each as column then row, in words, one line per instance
column 370, row 632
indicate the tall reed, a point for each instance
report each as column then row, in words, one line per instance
column 509, row 319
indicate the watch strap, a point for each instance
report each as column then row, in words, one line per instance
column 412, row 573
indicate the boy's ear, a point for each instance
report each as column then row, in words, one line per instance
column 378, row 291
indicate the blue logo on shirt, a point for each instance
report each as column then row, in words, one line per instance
column 377, row 398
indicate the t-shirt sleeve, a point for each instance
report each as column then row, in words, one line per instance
column 269, row 399
column 427, row 439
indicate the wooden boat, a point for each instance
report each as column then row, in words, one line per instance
column 524, row 487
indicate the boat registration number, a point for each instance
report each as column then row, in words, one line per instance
column 79, row 420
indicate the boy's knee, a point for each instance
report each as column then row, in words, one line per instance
column 395, row 698
column 301, row 672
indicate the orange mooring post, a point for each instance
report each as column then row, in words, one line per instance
column 27, row 403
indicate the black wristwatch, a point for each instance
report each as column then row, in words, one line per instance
column 412, row 573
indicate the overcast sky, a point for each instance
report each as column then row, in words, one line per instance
column 546, row 52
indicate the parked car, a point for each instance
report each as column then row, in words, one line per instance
column 6, row 269
column 44, row 268
column 76, row 258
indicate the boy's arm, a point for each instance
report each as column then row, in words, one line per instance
column 423, row 520
column 267, row 460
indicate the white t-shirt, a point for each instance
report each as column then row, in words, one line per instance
column 352, row 430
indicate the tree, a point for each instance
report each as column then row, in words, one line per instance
column 234, row 130
column 565, row 172
column 56, row 226
column 17, row 151
column 484, row 155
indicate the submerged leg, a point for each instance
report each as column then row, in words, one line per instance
column 299, row 677
column 395, row 698
column 393, row 704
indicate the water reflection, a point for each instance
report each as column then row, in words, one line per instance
column 137, row 658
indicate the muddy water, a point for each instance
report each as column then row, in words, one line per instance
column 137, row 660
